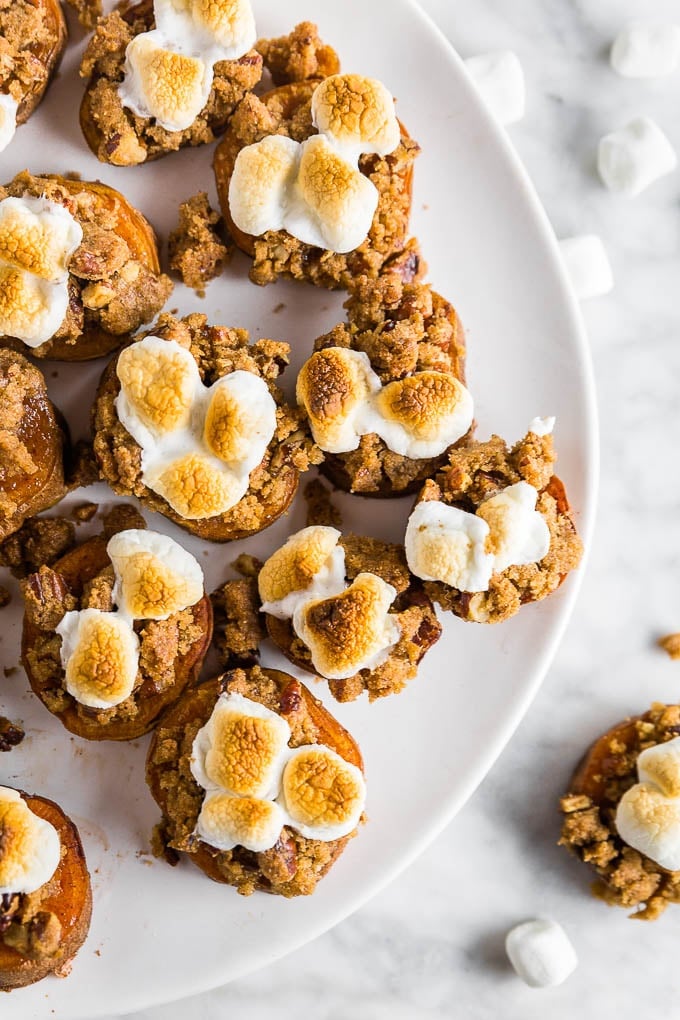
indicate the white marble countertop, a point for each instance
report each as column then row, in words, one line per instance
column 431, row 945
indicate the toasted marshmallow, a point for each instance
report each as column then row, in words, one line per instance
column 155, row 576
column 333, row 203
column 226, row 822
column 241, row 750
column 646, row 49
column 542, row 426
column 30, row 847
column 500, row 82
column 444, row 543
column 31, row 309
column 660, row 766
column 8, row 119
column 261, row 183
column 540, row 953
column 356, row 114
column 424, row 414
column 518, row 533
column 311, row 565
column 38, row 236
column 159, row 82
column 216, row 29
column 159, row 381
column 195, row 487
column 323, row 795
column 187, row 430
column 631, row 159
column 587, row 264
column 350, row 631
column 240, row 420
column 333, row 387
column 100, row 654
column 649, row 821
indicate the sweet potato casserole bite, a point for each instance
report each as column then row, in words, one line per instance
column 79, row 268
column 314, row 177
column 385, row 392
column 32, row 441
column 622, row 812
column 114, row 631
column 189, row 419
column 32, row 38
column 258, row 784
column 494, row 531
column 45, row 896
column 341, row 606
column 165, row 74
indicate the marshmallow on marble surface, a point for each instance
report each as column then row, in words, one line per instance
column 646, row 50
column 500, row 81
column 587, row 264
column 632, row 158
column 540, row 953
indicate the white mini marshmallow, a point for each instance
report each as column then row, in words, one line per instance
column 632, row 158
column 542, row 426
column 30, row 847
column 162, row 83
column 587, row 264
column 329, row 580
column 646, row 49
column 500, row 82
column 444, row 543
column 31, row 309
column 541, row 953
column 8, row 119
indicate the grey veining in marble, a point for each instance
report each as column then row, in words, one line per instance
column 431, row 944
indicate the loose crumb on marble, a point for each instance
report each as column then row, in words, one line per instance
column 247, row 565
column 670, row 644
column 122, row 517
column 196, row 249
column 39, row 542
column 11, row 734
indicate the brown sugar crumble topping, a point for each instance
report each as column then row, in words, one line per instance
column 117, row 135
column 626, row 877
column 300, row 56
column 25, row 33
column 196, row 249
column 477, row 471
column 40, row 542
column 87, row 11
column 671, row 645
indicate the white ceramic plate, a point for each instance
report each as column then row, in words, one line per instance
column 158, row 934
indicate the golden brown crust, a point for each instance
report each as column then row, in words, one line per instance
column 287, row 111
column 171, row 651
column 295, row 864
column 33, row 35
column 476, row 472
column 32, row 441
column 115, row 281
column 626, row 877
column 67, row 896
column 273, row 484
column 116, row 135
column 404, row 327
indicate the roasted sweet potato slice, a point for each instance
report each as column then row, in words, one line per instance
column 43, row 53
column 130, row 226
column 294, row 865
column 32, row 441
column 69, row 898
column 68, row 577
